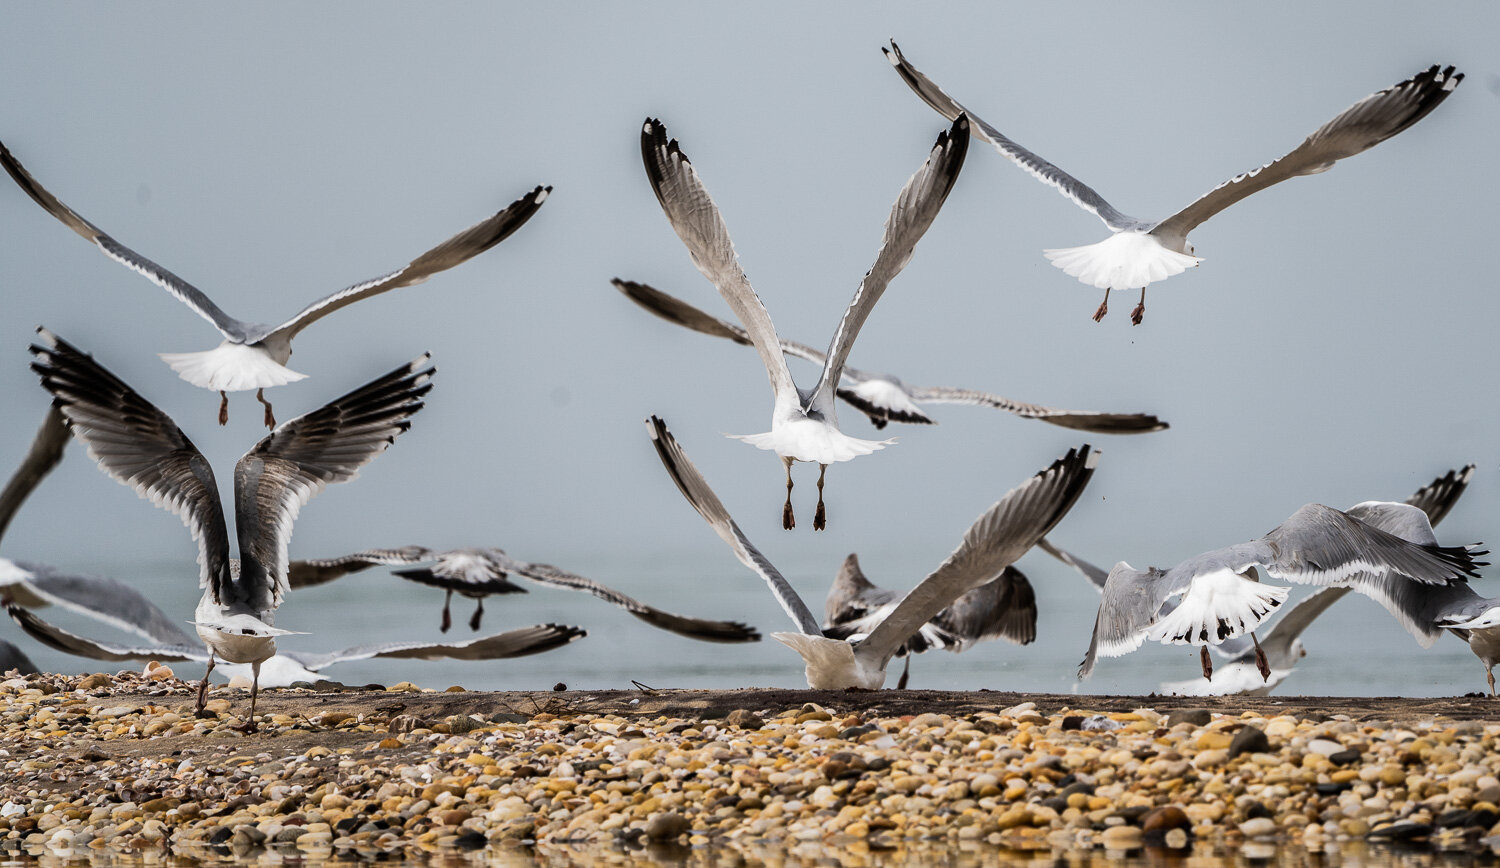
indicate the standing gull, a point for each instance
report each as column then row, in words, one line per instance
column 1222, row 595
column 288, row 667
column 478, row 572
column 254, row 356
column 804, row 426
column 140, row 446
column 1003, row 608
column 1140, row 252
column 1000, row 536
column 884, row 397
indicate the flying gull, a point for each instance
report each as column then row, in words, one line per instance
column 478, row 572
column 289, row 667
column 1282, row 645
column 140, row 446
column 804, row 426
column 1003, row 608
column 1000, row 536
column 883, row 397
column 252, row 355
column 1222, row 595
column 1140, row 252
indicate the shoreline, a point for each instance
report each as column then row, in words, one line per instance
column 118, row 763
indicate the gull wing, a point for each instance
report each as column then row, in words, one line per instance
column 695, row 488
column 297, row 460
column 1078, row 420
column 915, row 209
column 455, row 251
column 1006, row 531
column 512, row 643
column 307, row 573
column 851, row 597
column 683, row 625
column 1320, row 545
column 697, row 221
column 1363, row 125
column 675, row 310
column 1435, row 498
column 12, row 657
column 70, row 643
column 1081, row 194
column 140, row 446
column 103, row 599
column 1130, row 603
column 1001, row 609
column 184, row 292
column 46, row 452
column 1094, row 574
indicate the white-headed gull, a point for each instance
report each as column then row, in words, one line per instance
column 252, row 355
column 1222, row 595
column 1140, row 252
column 289, row 667
column 884, row 397
column 141, row 447
column 477, row 573
column 999, row 537
column 1003, row 608
column 804, row 426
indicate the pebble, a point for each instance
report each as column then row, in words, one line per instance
column 390, row 782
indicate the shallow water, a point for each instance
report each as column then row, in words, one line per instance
column 1354, row 649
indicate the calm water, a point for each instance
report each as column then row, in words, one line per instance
column 1354, row 649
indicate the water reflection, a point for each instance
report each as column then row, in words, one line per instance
column 820, row 854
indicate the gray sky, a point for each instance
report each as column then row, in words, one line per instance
column 1334, row 346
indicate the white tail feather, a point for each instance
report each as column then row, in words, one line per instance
column 831, row 663
column 231, row 367
column 1125, row 260
column 1218, row 606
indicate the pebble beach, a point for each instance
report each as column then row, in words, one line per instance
column 114, row 765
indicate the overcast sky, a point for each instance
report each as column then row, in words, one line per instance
column 1335, row 345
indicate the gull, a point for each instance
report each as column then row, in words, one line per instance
column 1003, row 608
column 289, row 667
column 1283, row 646
column 252, row 355
column 1222, row 595
column 141, row 447
column 804, row 426
column 884, row 397
column 1140, row 252
column 478, row 572
column 1005, row 532
column 13, row 659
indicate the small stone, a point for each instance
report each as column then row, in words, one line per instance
column 1121, row 838
column 403, row 723
column 666, row 826
column 95, row 681
column 1344, row 757
column 743, row 718
column 1258, row 827
column 1195, row 716
column 1249, row 740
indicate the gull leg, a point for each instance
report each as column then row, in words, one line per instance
column 249, row 725
column 478, row 613
column 1490, row 674
column 223, row 408
column 203, row 691
column 1208, row 663
column 1103, row 307
column 260, row 395
column 1139, row 312
column 447, row 616
column 820, row 518
column 788, row 520
column 1261, row 664
column 905, row 674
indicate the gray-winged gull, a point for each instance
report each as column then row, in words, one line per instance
column 804, row 425
column 252, row 355
column 479, row 572
column 1140, row 252
column 1222, row 595
column 884, row 397
column 141, row 447
column 288, row 667
column 1002, row 608
column 1000, row 536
